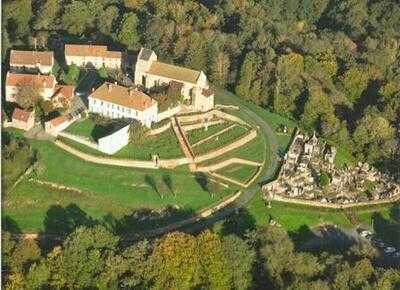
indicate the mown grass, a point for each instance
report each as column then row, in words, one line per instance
column 107, row 189
column 82, row 128
column 165, row 144
column 196, row 135
column 240, row 172
column 221, row 140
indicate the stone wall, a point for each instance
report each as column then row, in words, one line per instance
column 334, row 205
column 168, row 113
column 107, row 160
column 160, row 130
column 80, row 139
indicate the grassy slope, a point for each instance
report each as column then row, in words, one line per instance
column 82, row 128
column 239, row 172
column 107, row 189
column 199, row 134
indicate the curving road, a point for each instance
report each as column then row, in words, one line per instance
column 267, row 173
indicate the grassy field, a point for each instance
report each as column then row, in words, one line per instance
column 239, row 172
column 83, row 128
column 221, row 140
column 107, row 190
column 165, row 144
column 199, row 134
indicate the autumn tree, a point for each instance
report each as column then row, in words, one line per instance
column 127, row 33
column 248, row 73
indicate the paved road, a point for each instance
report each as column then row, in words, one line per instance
column 266, row 175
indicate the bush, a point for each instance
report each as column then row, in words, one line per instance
column 72, row 75
column 137, row 133
column 102, row 72
column 323, row 179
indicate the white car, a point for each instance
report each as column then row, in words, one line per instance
column 389, row 250
column 365, row 233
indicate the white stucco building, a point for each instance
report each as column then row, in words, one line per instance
column 115, row 101
column 95, row 56
column 41, row 60
column 44, row 83
column 151, row 73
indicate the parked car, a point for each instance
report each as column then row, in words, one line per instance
column 365, row 233
column 389, row 250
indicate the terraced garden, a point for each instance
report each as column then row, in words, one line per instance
column 240, row 172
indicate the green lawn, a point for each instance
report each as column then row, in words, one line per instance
column 107, row 189
column 256, row 150
column 165, row 144
column 239, row 172
column 221, row 140
column 196, row 135
column 83, row 128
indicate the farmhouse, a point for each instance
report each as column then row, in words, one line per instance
column 96, row 56
column 56, row 125
column 41, row 60
column 116, row 101
column 43, row 83
column 150, row 73
column 63, row 95
column 22, row 119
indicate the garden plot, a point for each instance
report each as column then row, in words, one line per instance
column 194, row 136
column 221, row 140
column 239, row 172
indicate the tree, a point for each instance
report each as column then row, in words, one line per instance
column 48, row 17
column 240, row 259
column 248, row 73
column 355, row 81
column 77, row 18
column 215, row 269
column 107, row 20
column 83, row 257
column 196, row 56
column 102, row 72
column 24, row 253
column 323, row 179
column 127, row 33
column 220, row 69
column 137, row 132
column 28, row 94
column 175, row 262
column 72, row 75
column 17, row 15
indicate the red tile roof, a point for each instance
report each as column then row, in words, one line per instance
column 59, row 120
column 27, row 57
column 67, row 92
column 207, row 92
column 17, row 80
column 21, row 115
column 125, row 97
column 90, row 50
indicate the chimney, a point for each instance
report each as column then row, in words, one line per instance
column 115, row 83
column 109, row 86
column 92, row 90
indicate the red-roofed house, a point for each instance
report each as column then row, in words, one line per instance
column 15, row 81
column 42, row 60
column 22, row 119
column 63, row 96
column 56, row 125
column 95, row 55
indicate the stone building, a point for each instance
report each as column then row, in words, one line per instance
column 26, row 59
column 45, row 85
column 95, row 56
column 24, row 120
column 151, row 73
column 115, row 101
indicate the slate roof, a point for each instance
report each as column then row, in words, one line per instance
column 145, row 54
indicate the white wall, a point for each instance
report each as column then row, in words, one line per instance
column 12, row 91
column 111, row 110
column 97, row 62
column 114, row 142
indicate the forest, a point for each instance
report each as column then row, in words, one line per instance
column 93, row 257
column 333, row 66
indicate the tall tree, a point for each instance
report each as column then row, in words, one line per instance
column 77, row 18
column 128, row 33
column 248, row 73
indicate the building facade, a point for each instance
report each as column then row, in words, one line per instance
column 150, row 73
column 15, row 82
column 115, row 101
column 24, row 120
column 96, row 56
column 40, row 60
